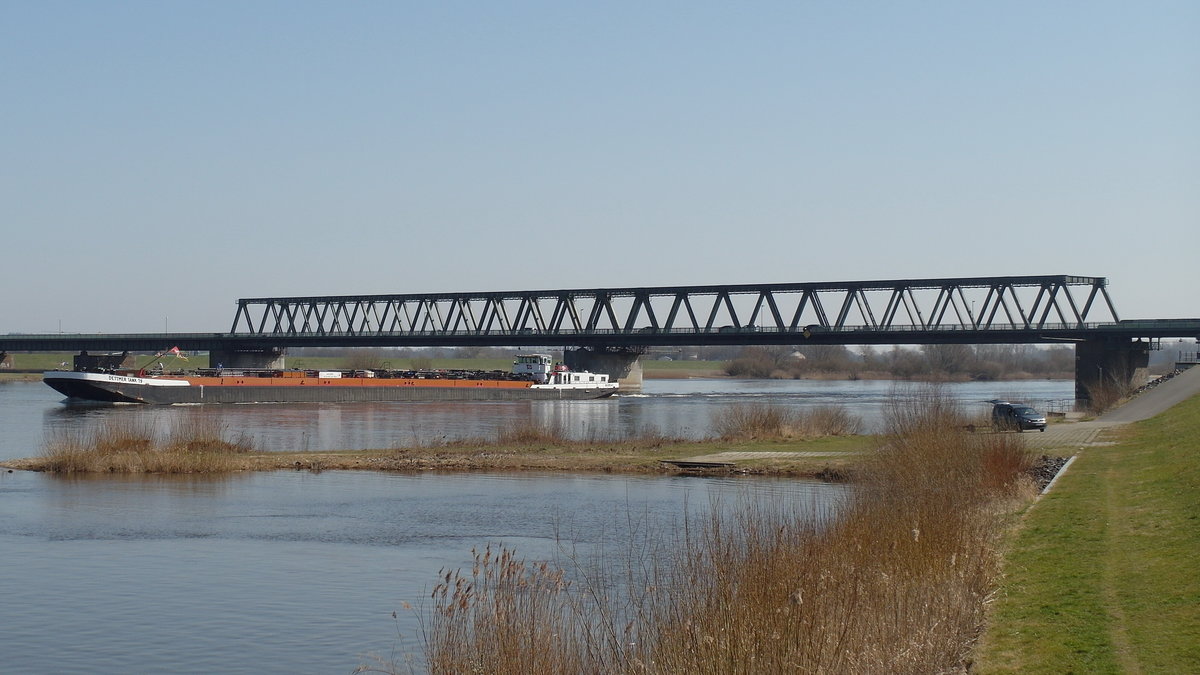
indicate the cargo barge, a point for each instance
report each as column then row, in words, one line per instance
column 533, row 378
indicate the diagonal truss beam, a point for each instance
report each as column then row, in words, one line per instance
column 953, row 304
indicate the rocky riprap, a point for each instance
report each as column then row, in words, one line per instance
column 1045, row 468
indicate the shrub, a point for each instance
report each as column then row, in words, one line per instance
column 743, row 421
column 761, row 421
column 751, row 366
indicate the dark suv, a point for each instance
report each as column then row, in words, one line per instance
column 1016, row 417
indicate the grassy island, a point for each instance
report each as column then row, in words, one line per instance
column 821, row 442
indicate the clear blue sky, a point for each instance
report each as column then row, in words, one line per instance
column 159, row 160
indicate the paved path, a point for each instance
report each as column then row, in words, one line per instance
column 1154, row 401
column 1143, row 406
column 1064, row 436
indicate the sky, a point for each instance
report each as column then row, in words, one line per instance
column 160, row 160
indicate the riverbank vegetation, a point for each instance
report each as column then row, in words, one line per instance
column 126, row 444
column 752, row 420
column 131, row 445
column 893, row 579
column 928, row 362
column 1101, row 577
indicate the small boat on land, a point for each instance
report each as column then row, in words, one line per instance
column 533, row 378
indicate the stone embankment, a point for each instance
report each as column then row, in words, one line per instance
column 1045, row 469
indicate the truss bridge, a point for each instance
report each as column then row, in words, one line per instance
column 606, row 329
column 914, row 311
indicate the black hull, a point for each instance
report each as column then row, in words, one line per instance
column 79, row 390
column 114, row 392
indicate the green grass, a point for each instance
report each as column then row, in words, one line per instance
column 1103, row 575
column 39, row 360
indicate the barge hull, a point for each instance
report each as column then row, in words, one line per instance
column 167, row 392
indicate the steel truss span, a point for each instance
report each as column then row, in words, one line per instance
column 967, row 309
column 976, row 310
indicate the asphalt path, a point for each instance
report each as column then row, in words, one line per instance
column 1157, row 400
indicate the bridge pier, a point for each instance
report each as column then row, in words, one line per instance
column 1113, row 364
column 621, row 365
column 270, row 358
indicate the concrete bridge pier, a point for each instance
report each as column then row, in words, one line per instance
column 621, row 365
column 270, row 358
column 1119, row 364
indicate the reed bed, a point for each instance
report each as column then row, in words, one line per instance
column 760, row 421
column 131, row 445
column 531, row 434
column 895, row 581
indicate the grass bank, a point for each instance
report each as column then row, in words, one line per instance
column 1102, row 576
column 653, row 369
column 31, row 366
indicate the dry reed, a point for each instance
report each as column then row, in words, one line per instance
column 895, row 581
column 130, row 445
column 531, row 434
column 506, row 616
column 1104, row 394
column 760, row 421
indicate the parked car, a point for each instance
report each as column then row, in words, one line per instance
column 1016, row 417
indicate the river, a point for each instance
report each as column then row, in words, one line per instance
column 298, row 572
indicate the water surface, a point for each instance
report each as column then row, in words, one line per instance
column 296, row 572
column 288, row 571
column 29, row 412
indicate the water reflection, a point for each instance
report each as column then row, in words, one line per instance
column 303, row 427
column 677, row 408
